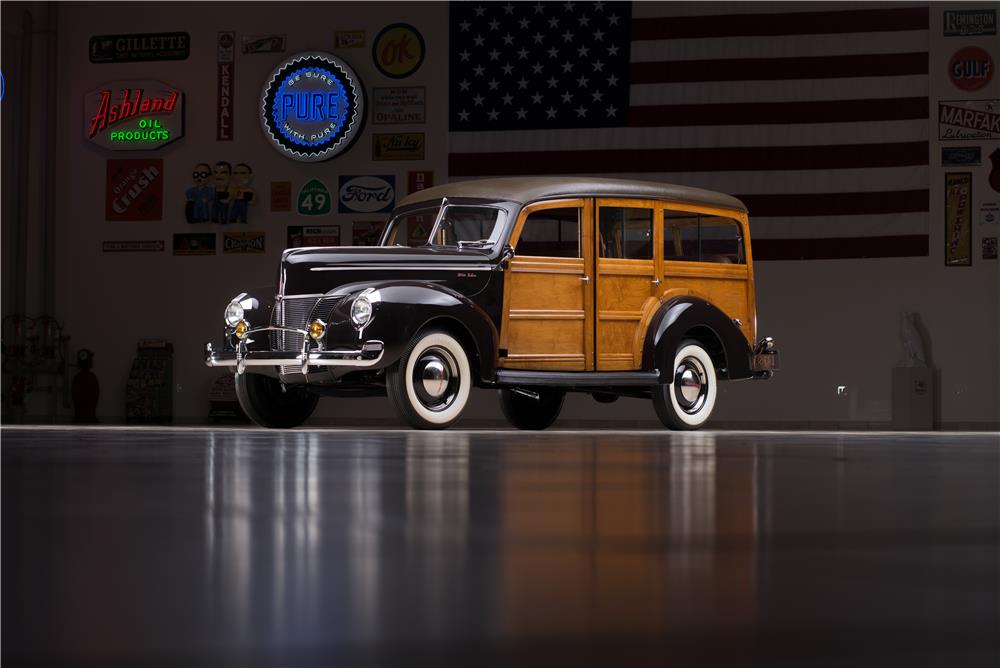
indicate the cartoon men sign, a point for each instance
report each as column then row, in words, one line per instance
column 220, row 194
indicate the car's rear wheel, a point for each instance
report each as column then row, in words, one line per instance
column 270, row 405
column 687, row 402
column 430, row 384
column 526, row 412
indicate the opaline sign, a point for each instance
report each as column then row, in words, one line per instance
column 138, row 115
column 312, row 107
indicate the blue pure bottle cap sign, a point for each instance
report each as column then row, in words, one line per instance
column 312, row 107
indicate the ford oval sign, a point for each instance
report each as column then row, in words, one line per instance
column 312, row 107
column 367, row 194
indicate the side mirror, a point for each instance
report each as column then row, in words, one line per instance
column 505, row 256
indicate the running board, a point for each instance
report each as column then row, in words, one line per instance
column 578, row 378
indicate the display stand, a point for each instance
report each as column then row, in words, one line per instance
column 149, row 392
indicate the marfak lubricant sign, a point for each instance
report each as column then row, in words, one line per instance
column 140, row 115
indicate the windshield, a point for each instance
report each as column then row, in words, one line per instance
column 461, row 225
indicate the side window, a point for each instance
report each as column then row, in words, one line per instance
column 691, row 237
column 551, row 233
column 680, row 238
column 721, row 240
column 626, row 233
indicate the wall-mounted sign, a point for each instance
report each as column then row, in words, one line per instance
column 399, row 105
column 134, row 190
column 263, row 44
column 194, row 243
column 243, row 243
column 366, row 194
column 958, row 219
column 140, row 47
column 300, row 236
column 367, row 232
column 994, row 179
column 398, row 146
column 349, row 39
column 151, row 246
column 398, row 50
column 970, row 22
column 312, row 107
column 970, row 68
column 314, row 199
column 418, row 181
column 141, row 115
column 989, row 213
column 969, row 119
column 225, row 77
column 989, row 248
column 281, row 196
column 957, row 156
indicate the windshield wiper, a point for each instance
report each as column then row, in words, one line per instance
column 479, row 243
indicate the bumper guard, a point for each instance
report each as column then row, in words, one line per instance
column 369, row 354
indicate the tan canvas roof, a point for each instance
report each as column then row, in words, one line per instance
column 529, row 189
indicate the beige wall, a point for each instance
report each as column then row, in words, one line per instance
column 836, row 321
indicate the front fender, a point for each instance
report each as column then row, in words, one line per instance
column 406, row 307
column 675, row 320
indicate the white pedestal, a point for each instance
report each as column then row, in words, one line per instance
column 913, row 398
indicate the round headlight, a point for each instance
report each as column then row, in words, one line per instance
column 234, row 313
column 317, row 329
column 361, row 311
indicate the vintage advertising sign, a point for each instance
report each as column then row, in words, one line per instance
column 366, row 194
column 367, row 232
column 243, row 243
column 399, row 105
column 140, row 47
column 969, row 119
column 989, row 213
column 418, row 181
column 151, row 246
column 349, row 39
column 141, row 115
column 970, row 68
column 134, row 190
column 300, row 236
column 314, row 199
column 226, row 76
column 989, row 248
column 281, row 196
column 194, row 243
column 956, row 156
column 970, row 22
column 312, row 107
column 398, row 50
column 994, row 178
column 958, row 219
column 398, row 146
column 263, row 44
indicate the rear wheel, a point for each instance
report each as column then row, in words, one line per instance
column 430, row 384
column 687, row 402
column 268, row 404
column 526, row 412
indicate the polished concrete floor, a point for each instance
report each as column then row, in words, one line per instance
column 243, row 547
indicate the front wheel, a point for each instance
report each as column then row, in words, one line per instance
column 267, row 403
column 687, row 402
column 430, row 384
column 527, row 412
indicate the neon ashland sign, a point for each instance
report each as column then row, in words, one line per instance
column 312, row 107
column 133, row 115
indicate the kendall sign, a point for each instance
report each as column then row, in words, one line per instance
column 141, row 115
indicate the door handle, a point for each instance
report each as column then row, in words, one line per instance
column 656, row 281
column 585, row 279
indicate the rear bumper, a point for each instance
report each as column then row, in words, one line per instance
column 766, row 359
column 367, row 355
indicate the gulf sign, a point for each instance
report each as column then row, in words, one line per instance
column 970, row 68
column 312, row 107
column 140, row 115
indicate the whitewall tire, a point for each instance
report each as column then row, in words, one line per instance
column 430, row 384
column 688, row 400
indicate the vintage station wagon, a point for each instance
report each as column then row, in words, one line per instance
column 533, row 286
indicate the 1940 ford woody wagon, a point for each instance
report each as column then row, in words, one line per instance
column 533, row 286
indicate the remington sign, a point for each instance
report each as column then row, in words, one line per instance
column 140, row 47
column 138, row 115
column 970, row 22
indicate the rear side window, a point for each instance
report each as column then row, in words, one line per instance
column 680, row 236
column 626, row 233
column 691, row 237
column 551, row 233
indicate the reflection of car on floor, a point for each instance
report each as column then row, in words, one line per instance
column 533, row 286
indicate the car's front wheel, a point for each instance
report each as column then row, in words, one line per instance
column 430, row 384
column 270, row 405
column 527, row 412
column 687, row 402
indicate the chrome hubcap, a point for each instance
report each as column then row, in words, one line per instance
column 690, row 385
column 436, row 379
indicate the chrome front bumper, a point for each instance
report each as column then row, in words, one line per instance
column 368, row 355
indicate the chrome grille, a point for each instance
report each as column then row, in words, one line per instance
column 291, row 312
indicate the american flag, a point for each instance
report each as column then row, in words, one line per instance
column 815, row 115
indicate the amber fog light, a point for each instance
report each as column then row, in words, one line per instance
column 316, row 330
column 241, row 329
